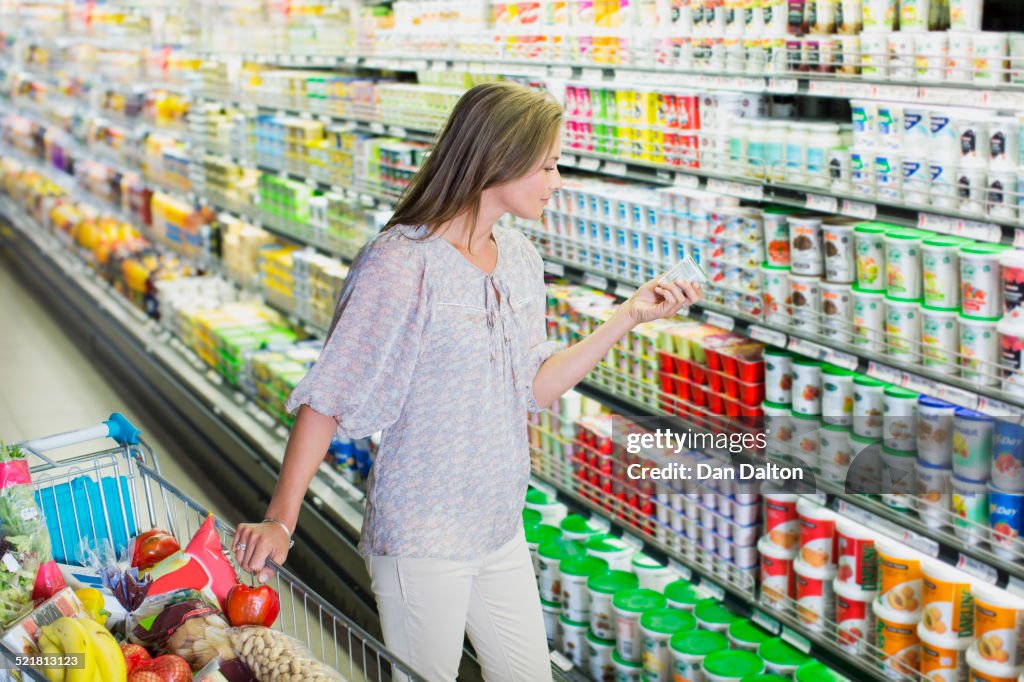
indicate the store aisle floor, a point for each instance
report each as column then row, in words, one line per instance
column 48, row 385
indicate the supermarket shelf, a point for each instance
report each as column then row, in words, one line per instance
column 1005, row 96
column 961, row 392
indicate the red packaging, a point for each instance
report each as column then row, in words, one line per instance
column 857, row 559
column 818, row 538
column 781, row 522
column 854, row 617
column 815, row 600
column 778, row 578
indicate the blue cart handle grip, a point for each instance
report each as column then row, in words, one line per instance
column 117, row 427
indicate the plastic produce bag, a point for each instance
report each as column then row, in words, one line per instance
column 24, row 541
column 185, row 624
column 200, row 566
column 275, row 657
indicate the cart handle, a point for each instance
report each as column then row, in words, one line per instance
column 116, row 427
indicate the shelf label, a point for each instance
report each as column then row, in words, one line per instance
column 986, row 232
column 600, row 522
column 783, row 86
column 545, row 488
column 682, row 571
column 614, row 168
column 807, row 348
column 588, row 163
column 624, row 290
column 921, row 544
column 568, row 160
column 592, row 75
column 796, row 640
column 769, row 336
column 397, row 131
column 978, row 569
column 921, row 385
column 760, row 618
column 999, row 409
column 560, row 72
column 959, row 396
column 816, row 202
column 936, row 223
column 367, row 200
column 439, row 66
column 752, row 192
column 712, row 588
column 556, row 269
column 595, row 281
column 841, row 359
column 563, row 663
column 685, row 180
column 859, row 209
column 885, row 373
column 720, row 320
column 1018, row 237
column 350, row 61
column 377, row 128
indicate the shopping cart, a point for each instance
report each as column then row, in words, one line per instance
column 111, row 495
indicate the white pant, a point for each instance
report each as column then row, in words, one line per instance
column 426, row 606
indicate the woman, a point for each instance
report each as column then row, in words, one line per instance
column 440, row 342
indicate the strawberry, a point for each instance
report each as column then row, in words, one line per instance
column 168, row 668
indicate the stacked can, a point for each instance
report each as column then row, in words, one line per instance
column 855, row 586
column 897, row 609
column 815, row 565
column 822, row 269
column 934, row 460
column 779, row 548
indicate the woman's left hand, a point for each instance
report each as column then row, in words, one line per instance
column 653, row 300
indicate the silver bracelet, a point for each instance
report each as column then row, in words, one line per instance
column 283, row 525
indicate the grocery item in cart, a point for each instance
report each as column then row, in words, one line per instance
column 270, row 653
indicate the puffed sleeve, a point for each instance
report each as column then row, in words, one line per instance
column 540, row 349
column 364, row 372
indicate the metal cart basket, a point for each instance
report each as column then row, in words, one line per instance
column 113, row 494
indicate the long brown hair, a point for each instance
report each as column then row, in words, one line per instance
column 496, row 133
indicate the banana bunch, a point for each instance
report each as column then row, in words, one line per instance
column 102, row 660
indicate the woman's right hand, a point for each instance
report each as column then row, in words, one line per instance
column 255, row 543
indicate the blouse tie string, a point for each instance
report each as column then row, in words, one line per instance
column 503, row 328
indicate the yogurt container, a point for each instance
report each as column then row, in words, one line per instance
column 940, row 339
column 652, row 574
column 625, row 670
column 868, row 319
column 575, row 527
column 899, row 420
column 869, row 240
column 776, row 236
column 805, row 443
column 690, row 648
column 903, row 263
column 903, row 329
column 815, row 600
column 834, row 450
column 575, row 572
column 629, row 607
column 778, row 368
column 779, row 427
column 984, row 670
column 743, row 634
column 979, row 349
column 942, row 661
column 818, row 540
column 940, row 266
column 551, row 555
column 934, row 489
column 998, row 626
column 778, row 575
column 899, row 480
column 806, row 302
column 948, row 608
column 1012, row 263
column 778, row 294
column 552, row 613
column 805, row 243
column 837, row 395
column 616, row 553
column 781, row 658
column 970, row 510
column 531, row 517
column 574, row 640
column 603, row 588
column 683, row 596
column 868, row 406
column 972, row 444
column 840, row 252
column 601, row 667
column 935, row 425
column 1011, row 343
column 897, row 641
column 658, row 627
column 731, row 666
column 1006, row 520
column 855, row 622
column 782, row 522
column 806, row 392
column 536, row 535
column 551, row 510
column 858, row 558
column 836, row 311
column 900, row 578
column 713, row 615
column 980, row 284
column 1008, row 457
column 814, row 671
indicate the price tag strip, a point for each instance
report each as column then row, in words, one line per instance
column 595, row 281
column 682, row 571
column 769, row 336
column 978, row 569
column 719, row 320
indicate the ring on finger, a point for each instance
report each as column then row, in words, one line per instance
column 240, row 547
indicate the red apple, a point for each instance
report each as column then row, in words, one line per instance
column 252, row 605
